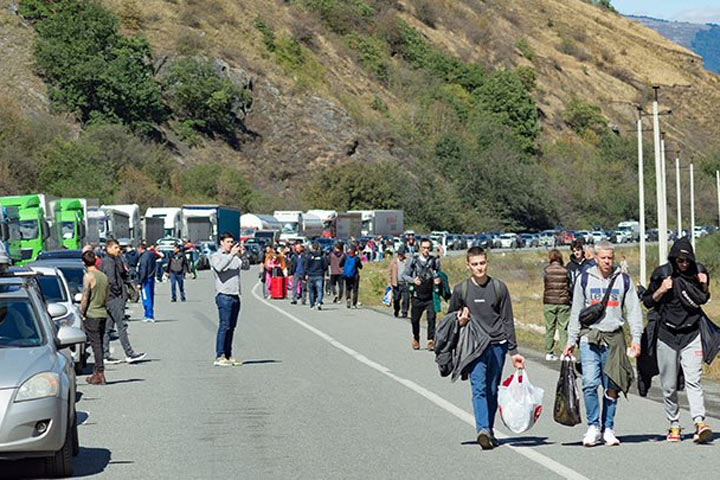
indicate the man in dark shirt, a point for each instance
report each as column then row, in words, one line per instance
column 678, row 334
column 486, row 301
column 421, row 273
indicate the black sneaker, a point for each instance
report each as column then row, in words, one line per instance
column 484, row 439
column 112, row 361
column 294, row 302
column 135, row 357
column 348, row 304
column 173, row 300
column 319, row 307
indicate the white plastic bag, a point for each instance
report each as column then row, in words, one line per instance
column 519, row 402
column 388, row 297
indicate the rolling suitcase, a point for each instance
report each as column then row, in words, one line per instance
column 278, row 287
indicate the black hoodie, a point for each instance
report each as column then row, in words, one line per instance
column 679, row 320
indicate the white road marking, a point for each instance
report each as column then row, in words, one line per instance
column 535, row 456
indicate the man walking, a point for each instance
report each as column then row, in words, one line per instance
column 351, row 263
column 602, row 343
column 226, row 266
column 485, row 303
column 147, row 265
column 336, row 283
column 315, row 268
column 297, row 270
column 421, row 273
column 176, row 268
column 401, row 295
column 556, row 302
column 677, row 290
column 94, row 314
column 575, row 265
column 114, row 269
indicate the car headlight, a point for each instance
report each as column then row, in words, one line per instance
column 46, row 384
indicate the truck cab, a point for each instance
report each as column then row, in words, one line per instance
column 32, row 228
column 70, row 217
column 10, row 232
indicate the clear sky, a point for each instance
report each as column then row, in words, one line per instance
column 696, row 11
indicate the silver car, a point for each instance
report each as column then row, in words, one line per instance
column 37, row 379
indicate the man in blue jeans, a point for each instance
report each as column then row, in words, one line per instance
column 147, row 264
column 602, row 344
column 226, row 265
column 176, row 268
column 485, row 302
column 315, row 266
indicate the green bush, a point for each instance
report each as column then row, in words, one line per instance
column 525, row 48
column 584, row 117
column 199, row 96
column 268, row 34
column 344, row 16
column 372, row 56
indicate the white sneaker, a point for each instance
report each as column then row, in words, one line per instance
column 592, row 436
column 222, row 362
column 609, row 438
column 550, row 357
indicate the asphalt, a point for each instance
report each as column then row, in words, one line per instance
column 330, row 394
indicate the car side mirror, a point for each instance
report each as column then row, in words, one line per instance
column 56, row 310
column 77, row 298
column 68, row 336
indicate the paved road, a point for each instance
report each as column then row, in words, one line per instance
column 331, row 394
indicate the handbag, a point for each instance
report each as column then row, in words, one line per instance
column 592, row 314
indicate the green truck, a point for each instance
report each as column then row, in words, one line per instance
column 70, row 216
column 33, row 229
column 10, row 232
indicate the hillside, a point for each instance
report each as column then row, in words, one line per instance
column 468, row 114
column 703, row 39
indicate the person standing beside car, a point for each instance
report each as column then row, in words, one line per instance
column 226, row 266
column 114, row 269
column 94, row 314
column 556, row 302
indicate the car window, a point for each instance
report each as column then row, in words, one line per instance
column 74, row 276
column 51, row 288
column 18, row 324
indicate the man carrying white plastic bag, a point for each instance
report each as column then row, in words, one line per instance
column 479, row 331
column 520, row 402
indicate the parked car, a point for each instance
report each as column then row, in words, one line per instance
column 567, row 237
column 58, row 254
column 528, row 240
column 548, row 238
column 598, row 236
column 481, row 240
column 585, row 235
column 55, row 289
column 37, row 378
column 72, row 269
column 253, row 253
column 509, row 240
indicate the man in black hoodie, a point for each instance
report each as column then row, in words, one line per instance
column 677, row 290
column 315, row 268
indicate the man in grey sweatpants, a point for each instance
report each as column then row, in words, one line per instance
column 678, row 334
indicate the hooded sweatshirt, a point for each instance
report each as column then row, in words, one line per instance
column 613, row 317
column 679, row 322
column 334, row 258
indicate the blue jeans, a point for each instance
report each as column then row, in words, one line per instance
column 179, row 280
column 315, row 285
column 593, row 360
column 228, row 311
column 485, row 377
column 148, row 297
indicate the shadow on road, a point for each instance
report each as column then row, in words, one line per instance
column 127, row 380
column 90, row 461
column 517, row 442
column 260, row 362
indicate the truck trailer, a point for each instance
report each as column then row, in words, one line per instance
column 172, row 219
column 204, row 223
column 348, row 225
column 135, row 226
column 251, row 223
column 381, row 222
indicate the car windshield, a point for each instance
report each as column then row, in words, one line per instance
column 18, row 325
column 74, row 276
column 289, row 227
column 52, row 288
column 28, row 229
column 67, row 230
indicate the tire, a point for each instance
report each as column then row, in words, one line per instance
column 75, row 438
column 60, row 464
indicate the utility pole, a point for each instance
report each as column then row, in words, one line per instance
column 677, row 194
column 641, row 195
column 661, row 205
column 717, row 181
column 663, row 164
column 692, row 207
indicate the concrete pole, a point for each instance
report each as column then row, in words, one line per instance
column 679, row 198
column 692, row 206
column 662, row 227
column 717, row 181
column 641, row 194
column 664, row 178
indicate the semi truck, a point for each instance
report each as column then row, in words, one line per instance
column 630, row 230
column 135, row 226
column 348, row 225
column 70, row 218
column 172, row 219
column 251, row 223
column 313, row 226
column 204, row 223
column 381, row 222
column 10, row 232
column 291, row 222
column 104, row 223
column 153, row 229
column 35, row 230
column 329, row 219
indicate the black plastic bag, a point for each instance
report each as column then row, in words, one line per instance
column 567, row 396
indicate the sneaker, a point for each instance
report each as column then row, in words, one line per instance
column 135, row 357
column 415, row 344
column 319, row 308
column 112, row 361
column 294, row 302
column 355, row 307
column 484, row 439
column 173, row 299
column 235, row 363
column 592, row 436
column 609, row 438
column 312, row 306
column 148, row 320
column 182, row 299
column 222, row 362
column 335, row 299
column 348, row 304
column 703, row 434
column 431, row 345
column 674, row 435
column 495, row 441
column 550, row 357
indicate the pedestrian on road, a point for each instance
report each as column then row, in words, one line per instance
column 602, row 344
column 677, row 290
column 176, row 268
column 336, row 280
column 575, row 265
column 147, row 264
column 421, row 273
column 114, row 269
column 226, row 266
column 556, row 302
column 315, row 268
column 94, row 314
column 411, row 246
column 485, row 302
column 351, row 265
column 131, row 260
column 401, row 294
column 297, row 270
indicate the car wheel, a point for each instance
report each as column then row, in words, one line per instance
column 60, row 464
column 75, row 438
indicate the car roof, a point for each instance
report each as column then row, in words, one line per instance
column 58, row 262
column 52, row 254
column 48, row 270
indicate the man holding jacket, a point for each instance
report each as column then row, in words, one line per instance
column 602, row 344
column 421, row 273
column 176, row 268
column 147, row 265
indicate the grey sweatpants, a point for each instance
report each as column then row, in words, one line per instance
column 690, row 359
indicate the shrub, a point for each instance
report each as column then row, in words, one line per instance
column 372, row 56
column 344, row 16
column 583, row 117
column 268, row 34
column 190, row 43
column 525, row 48
column 426, row 12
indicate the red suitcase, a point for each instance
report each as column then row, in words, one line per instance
column 278, row 287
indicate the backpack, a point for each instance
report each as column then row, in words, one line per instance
column 626, row 285
column 350, row 267
column 496, row 288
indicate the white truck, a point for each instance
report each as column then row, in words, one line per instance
column 250, row 223
column 104, row 223
column 329, row 219
column 348, row 225
column 291, row 222
column 172, row 219
column 381, row 222
column 133, row 212
column 630, row 231
column 313, row 226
